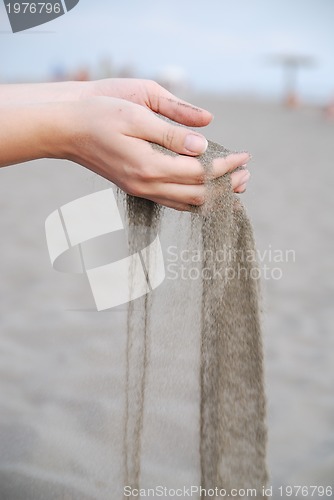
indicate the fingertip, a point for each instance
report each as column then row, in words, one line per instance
column 207, row 117
column 241, row 189
column 236, row 160
column 239, row 178
column 244, row 156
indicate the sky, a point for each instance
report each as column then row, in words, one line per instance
column 219, row 45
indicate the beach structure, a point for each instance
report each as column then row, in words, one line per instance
column 291, row 64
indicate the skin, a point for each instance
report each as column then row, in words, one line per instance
column 106, row 126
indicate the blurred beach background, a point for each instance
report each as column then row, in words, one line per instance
column 266, row 71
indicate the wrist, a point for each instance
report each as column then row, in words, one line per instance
column 56, row 125
column 68, row 91
column 34, row 131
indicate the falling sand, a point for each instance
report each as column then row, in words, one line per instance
column 232, row 441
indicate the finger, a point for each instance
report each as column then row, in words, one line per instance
column 183, row 197
column 179, row 193
column 195, row 194
column 178, row 139
column 186, row 170
column 223, row 165
column 163, row 102
column 239, row 179
column 170, row 204
column 241, row 189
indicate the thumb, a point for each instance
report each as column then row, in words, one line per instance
column 162, row 101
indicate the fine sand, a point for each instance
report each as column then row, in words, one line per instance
column 60, row 383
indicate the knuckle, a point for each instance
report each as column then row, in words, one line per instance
column 169, row 137
column 153, row 90
column 197, row 200
column 146, row 173
column 200, row 178
column 134, row 189
column 152, row 85
column 183, row 208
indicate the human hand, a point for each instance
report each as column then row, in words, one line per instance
column 147, row 93
column 150, row 94
column 121, row 127
column 110, row 136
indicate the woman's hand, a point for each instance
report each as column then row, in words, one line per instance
column 105, row 126
column 110, row 136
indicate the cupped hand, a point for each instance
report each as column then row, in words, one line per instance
column 112, row 136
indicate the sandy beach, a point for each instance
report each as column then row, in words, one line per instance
column 61, row 385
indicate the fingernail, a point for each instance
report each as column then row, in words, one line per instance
column 195, row 143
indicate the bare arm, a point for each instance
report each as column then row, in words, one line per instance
column 30, row 131
column 111, row 135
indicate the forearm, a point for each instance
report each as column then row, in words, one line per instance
column 32, row 131
column 43, row 92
